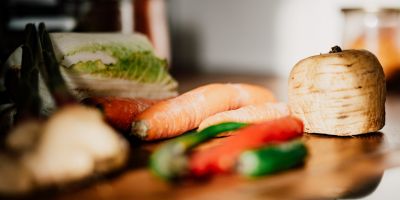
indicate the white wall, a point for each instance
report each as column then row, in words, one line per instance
column 231, row 34
column 256, row 36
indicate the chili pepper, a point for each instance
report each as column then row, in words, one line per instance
column 271, row 159
column 170, row 161
column 222, row 158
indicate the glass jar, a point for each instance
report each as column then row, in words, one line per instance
column 377, row 31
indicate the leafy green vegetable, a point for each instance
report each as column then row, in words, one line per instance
column 118, row 50
column 142, row 66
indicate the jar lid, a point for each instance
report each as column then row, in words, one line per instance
column 371, row 10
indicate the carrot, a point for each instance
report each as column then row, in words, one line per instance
column 248, row 114
column 177, row 115
column 119, row 112
column 222, row 158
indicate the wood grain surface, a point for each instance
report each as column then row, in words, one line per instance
column 337, row 167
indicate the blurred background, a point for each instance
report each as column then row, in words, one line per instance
column 223, row 36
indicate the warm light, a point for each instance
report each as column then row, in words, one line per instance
column 371, row 21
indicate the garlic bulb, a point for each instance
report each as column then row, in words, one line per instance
column 341, row 93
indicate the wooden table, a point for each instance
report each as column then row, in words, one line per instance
column 337, row 167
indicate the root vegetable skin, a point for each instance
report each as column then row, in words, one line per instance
column 175, row 116
column 339, row 93
column 72, row 145
column 120, row 112
column 222, row 158
column 248, row 114
column 75, row 143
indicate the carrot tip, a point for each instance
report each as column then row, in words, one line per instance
column 139, row 128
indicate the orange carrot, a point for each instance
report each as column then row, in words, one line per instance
column 248, row 114
column 120, row 112
column 222, row 158
column 177, row 115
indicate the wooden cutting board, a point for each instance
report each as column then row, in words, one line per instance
column 336, row 167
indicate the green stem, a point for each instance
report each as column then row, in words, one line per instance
column 335, row 49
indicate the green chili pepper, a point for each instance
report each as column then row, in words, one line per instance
column 169, row 160
column 271, row 159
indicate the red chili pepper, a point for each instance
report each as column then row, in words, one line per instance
column 222, row 158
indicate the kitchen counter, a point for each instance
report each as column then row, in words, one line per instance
column 337, row 167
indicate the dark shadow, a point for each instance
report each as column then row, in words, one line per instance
column 365, row 135
column 365, row 189
column 393, row 84
column 184, row 50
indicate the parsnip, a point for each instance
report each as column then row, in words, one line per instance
column 341, row 93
